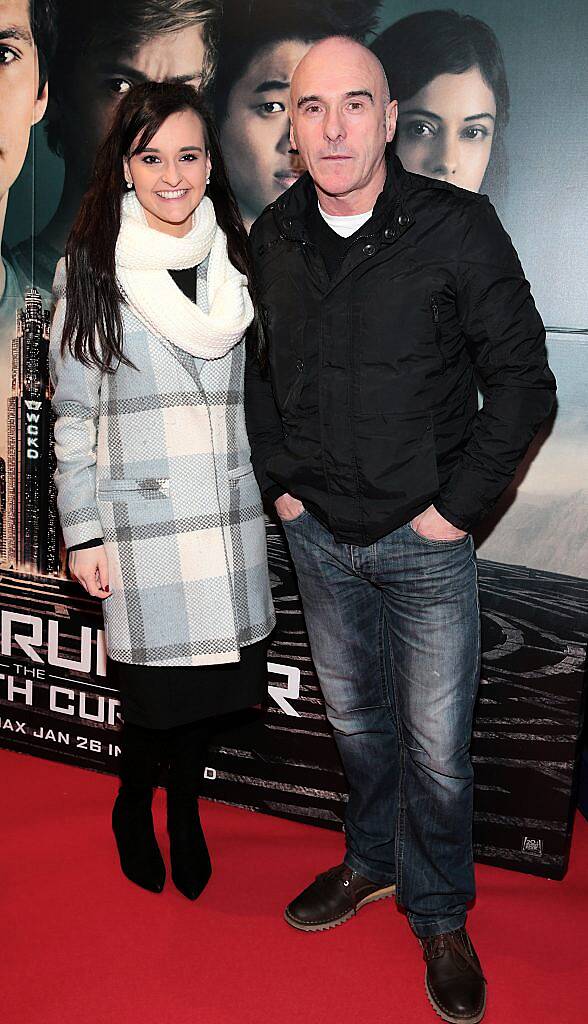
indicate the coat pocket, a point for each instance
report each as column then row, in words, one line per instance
column 239, row 471
column 146, row 489
column 244, row 496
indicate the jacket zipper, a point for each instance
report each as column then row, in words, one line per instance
column 435, row 312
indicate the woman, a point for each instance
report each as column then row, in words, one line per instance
column 447, row 73
column 157, row 499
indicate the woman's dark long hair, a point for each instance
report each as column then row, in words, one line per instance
column 418, row 48
column 93, row 325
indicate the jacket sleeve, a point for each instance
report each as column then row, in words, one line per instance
column 506, row 339
column 76, row 401
column 264, row 424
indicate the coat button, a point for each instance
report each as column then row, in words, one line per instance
column 389, row 234
column 287, row 223
column 369, row 249
column 300, row 366
column 403, row 220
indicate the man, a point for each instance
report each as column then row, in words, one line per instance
column 103, row 49
column 26, row 44
column 386, row 296
column 261, row 42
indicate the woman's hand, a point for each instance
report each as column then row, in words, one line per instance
column 90, row 568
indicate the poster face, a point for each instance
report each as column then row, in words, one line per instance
column 481, row 104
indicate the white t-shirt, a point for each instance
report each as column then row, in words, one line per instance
column 345, row 226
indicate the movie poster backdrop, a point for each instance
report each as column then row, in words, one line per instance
column 495, row 102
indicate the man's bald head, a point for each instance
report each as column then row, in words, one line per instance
column 340, row 48
column 342, row 119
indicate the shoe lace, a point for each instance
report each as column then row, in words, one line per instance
column 335, row 873
column 460, row 944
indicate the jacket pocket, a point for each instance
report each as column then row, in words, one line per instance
column 145, row 489
column 295, row 390
column 434, row 305
column 397, row 457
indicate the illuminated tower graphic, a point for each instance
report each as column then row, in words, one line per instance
column 31, row 526
column 2, row 510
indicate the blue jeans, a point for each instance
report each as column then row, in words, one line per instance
column 394, row 631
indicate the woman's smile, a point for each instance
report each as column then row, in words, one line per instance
column 177, row 193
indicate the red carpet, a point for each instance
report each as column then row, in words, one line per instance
column 81, row 945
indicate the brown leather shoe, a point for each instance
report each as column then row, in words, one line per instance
column 333, row 897
column 454, row 981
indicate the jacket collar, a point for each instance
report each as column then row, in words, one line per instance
column 390, row 217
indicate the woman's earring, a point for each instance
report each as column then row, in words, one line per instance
column 208, row 180
column 129, row 186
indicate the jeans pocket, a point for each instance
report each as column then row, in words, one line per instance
column 296, row 519
column 438, row 543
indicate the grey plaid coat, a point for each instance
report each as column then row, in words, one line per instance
column 156, row 461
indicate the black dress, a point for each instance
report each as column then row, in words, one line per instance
column 161, row 697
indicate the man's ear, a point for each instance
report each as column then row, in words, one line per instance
column 40, row 104
column 391, row 118
column 293, row 144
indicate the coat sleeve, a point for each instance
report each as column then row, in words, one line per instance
column 76, row 401
column 506, row 339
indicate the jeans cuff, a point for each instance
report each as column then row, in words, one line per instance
column 425, row 929
column 367, row 871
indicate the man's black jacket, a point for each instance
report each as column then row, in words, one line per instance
column 368, row 412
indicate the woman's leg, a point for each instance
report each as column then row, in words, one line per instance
column 132, row 822
column 190, row 860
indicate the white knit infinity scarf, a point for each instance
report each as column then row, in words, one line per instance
column 143, row 257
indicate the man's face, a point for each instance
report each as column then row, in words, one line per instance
column 255, row 133
column 340, row 120
column 99, row 82
column 446, row 130
column 20, row 106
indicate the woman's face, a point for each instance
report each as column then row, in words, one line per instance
column 169, row 176
column 446, row 129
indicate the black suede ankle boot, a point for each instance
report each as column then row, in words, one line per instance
column 190, row 860
column 132, row 821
